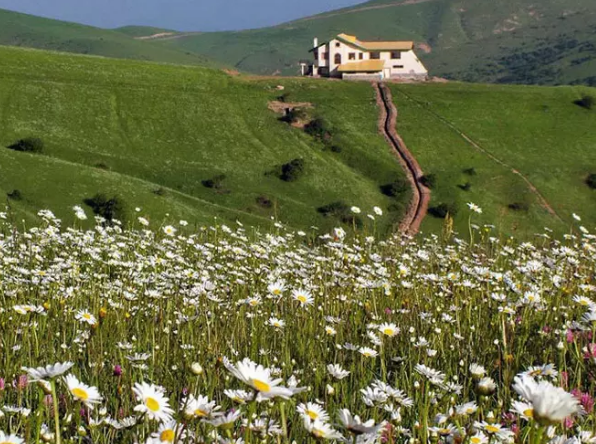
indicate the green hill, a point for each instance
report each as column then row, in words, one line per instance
column 540, row 132
column 18, row 29
column 152, row 134
column 513, row 41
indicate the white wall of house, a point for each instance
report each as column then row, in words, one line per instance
column 336, row 52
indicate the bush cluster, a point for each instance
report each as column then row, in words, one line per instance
column 341, row 211
column 29, row 145
column 215, row 182
column 108, row 208
column 292, row 171
column 443, row 209
column 587, row 102
column 395, row 188
column 591, row 181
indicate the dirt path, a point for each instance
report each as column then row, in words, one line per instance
column 168, row 36
column 543, row 202
column 418, row 206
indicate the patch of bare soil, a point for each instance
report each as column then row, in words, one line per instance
column 283, row 108
column 424, row 47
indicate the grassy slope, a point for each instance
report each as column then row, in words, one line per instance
column 30, row 31
column 509, row 41
column 162, row 126
column 539, row 131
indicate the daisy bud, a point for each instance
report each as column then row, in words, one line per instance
column 330, row 390
column 196, row 368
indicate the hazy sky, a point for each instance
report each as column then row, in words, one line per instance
column 183, row 15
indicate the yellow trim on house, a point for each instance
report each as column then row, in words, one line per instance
column 376, row 46
column 365, row 66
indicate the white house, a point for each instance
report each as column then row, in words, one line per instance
column 349, row 58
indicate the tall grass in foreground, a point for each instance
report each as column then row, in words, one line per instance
column 136, row 336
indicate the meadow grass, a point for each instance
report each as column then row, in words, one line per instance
column 156, row 335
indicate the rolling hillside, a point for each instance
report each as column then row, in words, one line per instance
column 153, row 135
column 491, row 144
column 513, row 41
column 18, row 29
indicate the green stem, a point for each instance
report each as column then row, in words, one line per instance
column 56, row 411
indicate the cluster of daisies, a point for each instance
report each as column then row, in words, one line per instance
column 169, row 334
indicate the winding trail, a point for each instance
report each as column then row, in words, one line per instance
column 418, row 206
column 543, row 202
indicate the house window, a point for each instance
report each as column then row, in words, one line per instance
column 361, row 56
column 337, row 45
column 375, row 55
column 337, row 59
column 398, row 66
column 396, row 55
column 352, row 56
column 317, row 55
column 325, row 56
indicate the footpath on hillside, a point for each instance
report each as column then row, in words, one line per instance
column 418, row 207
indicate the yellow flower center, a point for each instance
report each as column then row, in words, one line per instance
column 201, row 413
column 529, row 413
column 80, row 393
column 152, row 404
column 87, row 316
column 475, row 440
column 301, row 298
column 167, row 436
column 583, row 302
column 312, row 415
column 367, row 354
column 277, row 292
column 254, row 302
column 492, row 429
column 261, row 386
column 318, row 433
column 388, row 331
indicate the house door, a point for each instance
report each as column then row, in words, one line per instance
column 387, row 73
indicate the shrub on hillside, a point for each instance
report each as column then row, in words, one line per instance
column 429, row 180
column 108, row 208
column 519, row 206
column 292, row 170
column 395, row 188
column 319, row 129
column 591, row 181
column 465, row 186
column 587, row 102
column 336, row 148
column 29, row 145
column 341, row 211
column 265, row 202
column 15, row 195
column 293, row 115
column 215, row 182
column 443, row 209
column 470, row 171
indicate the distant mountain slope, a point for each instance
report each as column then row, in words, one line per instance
column 18, row 29
column 514, row 41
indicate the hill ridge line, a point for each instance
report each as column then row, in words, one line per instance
column 545, row 204
column 419, row 203
column 355, row 10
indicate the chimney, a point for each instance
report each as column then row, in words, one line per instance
column 316, row 43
